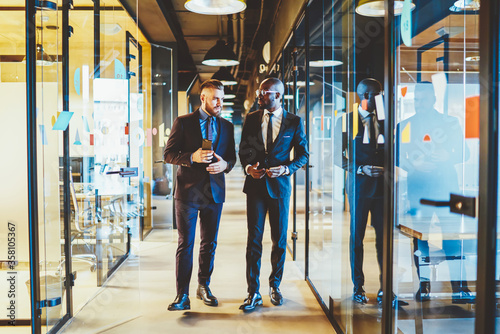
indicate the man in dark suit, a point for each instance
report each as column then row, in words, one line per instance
column 267, row 138
column 364, row 160
column 200, row 188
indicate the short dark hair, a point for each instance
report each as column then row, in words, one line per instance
column 212, row 83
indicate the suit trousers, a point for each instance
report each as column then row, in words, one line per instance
column 359, row 218
column 258, row 205
column 186, row 215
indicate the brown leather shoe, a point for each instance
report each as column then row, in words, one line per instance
column 206, row 295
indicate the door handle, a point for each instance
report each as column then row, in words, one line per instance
column 463, row 205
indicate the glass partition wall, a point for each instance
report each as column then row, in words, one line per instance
column 434, row 108
column 97, row 93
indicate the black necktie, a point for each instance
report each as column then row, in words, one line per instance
column 210, row 135
column 371, row 127
column 269, row 140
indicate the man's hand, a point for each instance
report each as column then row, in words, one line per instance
column 255, row 172
column 275, row 171
column 217, row 167
column 203, row 156
column 373, row 171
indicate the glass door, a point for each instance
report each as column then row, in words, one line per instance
column 51, row 121
column 162, row 120
column 437, row 167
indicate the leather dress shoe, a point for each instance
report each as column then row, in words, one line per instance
column 276, row 296
column 180, row 303
column 206, row 295
column 359, row 296
column 463, row 296
column 253, row 300
column 424, row 292
column 395, row 301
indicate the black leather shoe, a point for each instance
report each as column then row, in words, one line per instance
column 180, row 303
column 395, row 301
column 253, row 300
column 424, row 292
column 206, row 295
column 276, row 296
column 463, row 296
column 359, row 296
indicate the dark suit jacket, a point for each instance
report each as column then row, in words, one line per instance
column 252, row 150
column 194, row 183
column 355, row 154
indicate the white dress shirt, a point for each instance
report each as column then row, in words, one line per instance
column 277, row 117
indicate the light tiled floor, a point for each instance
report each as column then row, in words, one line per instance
column 135, row 299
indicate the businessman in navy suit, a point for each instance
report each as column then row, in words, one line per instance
column 364, row 160
column 267, row 138
column 200, row 188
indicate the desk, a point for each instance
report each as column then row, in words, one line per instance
column 453, row 228
column 450, row 229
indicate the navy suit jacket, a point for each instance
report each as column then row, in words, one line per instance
column 252, row 150
column 356, row 154
column 194, row 183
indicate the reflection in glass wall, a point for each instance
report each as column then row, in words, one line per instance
column 437, row 151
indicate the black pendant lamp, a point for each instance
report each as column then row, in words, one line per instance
column 45, row 5
column 376, row 8
column 215, row 7
column 225, row 76
column 220, row 55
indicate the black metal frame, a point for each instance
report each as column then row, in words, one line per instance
column 488, row 159
column 389, row 196
column 69, row 280
column 36, row 321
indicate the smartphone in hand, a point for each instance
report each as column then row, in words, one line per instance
column 206, row 144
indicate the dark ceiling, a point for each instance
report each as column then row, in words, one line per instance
column 195, row 34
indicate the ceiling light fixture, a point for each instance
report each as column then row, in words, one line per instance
column 376, row 8
column 225, row 76
column 464, row 5
column 215, row 7
column 45, row 5
column 220, row 55
column 325, row 63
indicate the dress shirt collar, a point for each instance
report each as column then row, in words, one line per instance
column 276, row 113
column 204, row 115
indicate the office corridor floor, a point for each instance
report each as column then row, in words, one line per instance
column 135, row 299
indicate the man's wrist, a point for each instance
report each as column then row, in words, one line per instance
column 246, row 169
column 287, row 170
column 360, row 170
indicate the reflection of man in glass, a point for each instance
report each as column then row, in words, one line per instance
column 431, row 144
column 364, row 160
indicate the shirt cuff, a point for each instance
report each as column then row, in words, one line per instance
column 360, row 171
column 246, row 169
column 287, row 171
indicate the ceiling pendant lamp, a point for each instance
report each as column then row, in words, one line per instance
column 376, row 8
column 215, row 7
column 224, row 76
column 45, row 5
column 220, row 55
column 465, row 5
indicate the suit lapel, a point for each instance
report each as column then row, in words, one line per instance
column 259, row 127
column 285, row 122
column 219, row 133
column 196, row 126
